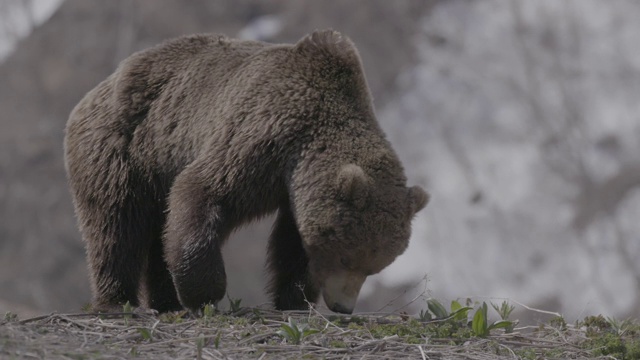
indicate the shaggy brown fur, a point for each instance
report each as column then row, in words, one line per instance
column 191, row 138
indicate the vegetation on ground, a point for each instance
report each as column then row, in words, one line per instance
column 466, row 330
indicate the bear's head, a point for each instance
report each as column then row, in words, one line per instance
column 363, row 224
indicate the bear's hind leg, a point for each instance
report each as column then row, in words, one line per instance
column 117, row 243
column 114, row 282
column 124, row 245
column 290, row 286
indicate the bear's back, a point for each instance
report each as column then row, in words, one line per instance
column 192, row 62
column 156, row 97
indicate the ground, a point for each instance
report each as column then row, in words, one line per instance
column 268, row 334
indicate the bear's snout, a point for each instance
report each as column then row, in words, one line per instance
column 341, row 309
column 340, row 291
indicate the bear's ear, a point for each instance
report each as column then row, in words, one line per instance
column 418, row 199
column 329, row 43
column 353, row 185
column 323, row 39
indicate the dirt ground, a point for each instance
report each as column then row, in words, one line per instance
column 258, row 333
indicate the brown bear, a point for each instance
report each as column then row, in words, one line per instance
column 192, row 138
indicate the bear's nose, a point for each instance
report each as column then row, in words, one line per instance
column 339, row 308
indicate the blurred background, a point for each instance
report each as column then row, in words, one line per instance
column 520, row 117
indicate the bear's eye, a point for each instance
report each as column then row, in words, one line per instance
column 345, row 262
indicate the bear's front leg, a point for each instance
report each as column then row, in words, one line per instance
column 291, row 286
column 195, row 231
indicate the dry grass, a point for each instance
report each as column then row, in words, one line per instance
column 253, row 333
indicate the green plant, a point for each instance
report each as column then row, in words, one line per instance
column 174, row 317
column 145, row 333
column 337, row 344
column 208, row 311
column 504, row 310
column 480, row 323
column 620, row 327
column 294, row 332
column 199, row 346
column 435, row 308
column 611, row 337
column 258, row 315
column 9, row 316
column 127, row 309
column 234, row 304
column 597, row 323
column 558, row 322
column 459, row 312
column 425, row 315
